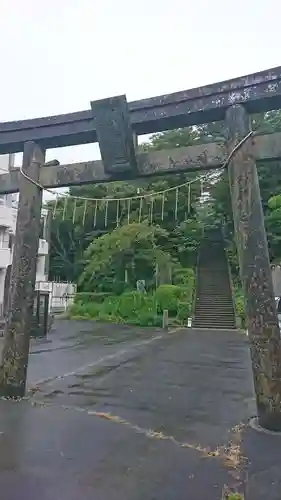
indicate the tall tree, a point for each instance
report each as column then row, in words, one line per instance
column 71, row 234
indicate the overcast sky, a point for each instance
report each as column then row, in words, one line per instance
column 58, row 55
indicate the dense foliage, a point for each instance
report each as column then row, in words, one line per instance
column 106, row 256
column 137, row 308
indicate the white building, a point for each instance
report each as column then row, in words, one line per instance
column 8, row 218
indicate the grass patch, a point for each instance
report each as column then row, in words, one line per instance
column 232, row 496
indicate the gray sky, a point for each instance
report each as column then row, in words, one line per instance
column 58, row 55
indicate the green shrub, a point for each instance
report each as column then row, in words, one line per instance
column 131, row 307
column 148, row 318
column 184, row 312
column 136, row 308
column 130, row 303
column 240, row 307
column 110, row 305
column 235, row 496
column 167, row 297
column 87, row 311
column 111, row 318
column 86, row 297
column 176, row 299
column 184, row 276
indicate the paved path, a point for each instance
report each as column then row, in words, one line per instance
column 147, row 416
column 74, row 344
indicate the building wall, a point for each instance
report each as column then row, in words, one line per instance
column 8, row 216
column 61, row 294
column 7, row 162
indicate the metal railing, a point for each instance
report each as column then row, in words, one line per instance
column 60, row 304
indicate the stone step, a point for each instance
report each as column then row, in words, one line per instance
column 216, row 305
column 214, row 325
column 212, row 307
column 213, row 304
column 222, row 275
column 213, row 296
column 212, row 293
column 216, row 312
column 204, row 291
column 213, row 277
column 213, row 280
column 204, row 326
column 200, row 314
column 214, row 319
column 212, row 269
column 213, row 286
column 214, row 290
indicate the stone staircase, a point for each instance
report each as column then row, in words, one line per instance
column 213, row 300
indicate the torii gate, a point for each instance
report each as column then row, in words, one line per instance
column 115, row 124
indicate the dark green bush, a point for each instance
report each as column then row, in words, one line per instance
column 131, row 307
column 184, row 276
column 136, row 308
column 240, row 307
column 167, row 297
column 184, row 312
column 86, row 297
column 87, row 311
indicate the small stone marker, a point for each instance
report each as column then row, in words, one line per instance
column 141, row 286
column 165, row 320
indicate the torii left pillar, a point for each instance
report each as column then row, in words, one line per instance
column 13, row 370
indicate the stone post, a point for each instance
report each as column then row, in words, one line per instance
column 23, row 274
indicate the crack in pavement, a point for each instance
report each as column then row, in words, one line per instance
column 229, row 453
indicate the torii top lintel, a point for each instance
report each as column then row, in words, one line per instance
column 258, row 92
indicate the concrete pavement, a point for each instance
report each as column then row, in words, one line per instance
column 135, row 413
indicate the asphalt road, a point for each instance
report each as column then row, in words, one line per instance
column 118, row 413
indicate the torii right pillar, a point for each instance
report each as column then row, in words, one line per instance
column 255, row 272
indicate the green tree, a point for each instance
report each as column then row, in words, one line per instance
column 273, row 226
column 74, row 228
column 270, row 182
column 132, row 250
column 171, row 139
column 71, row 235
